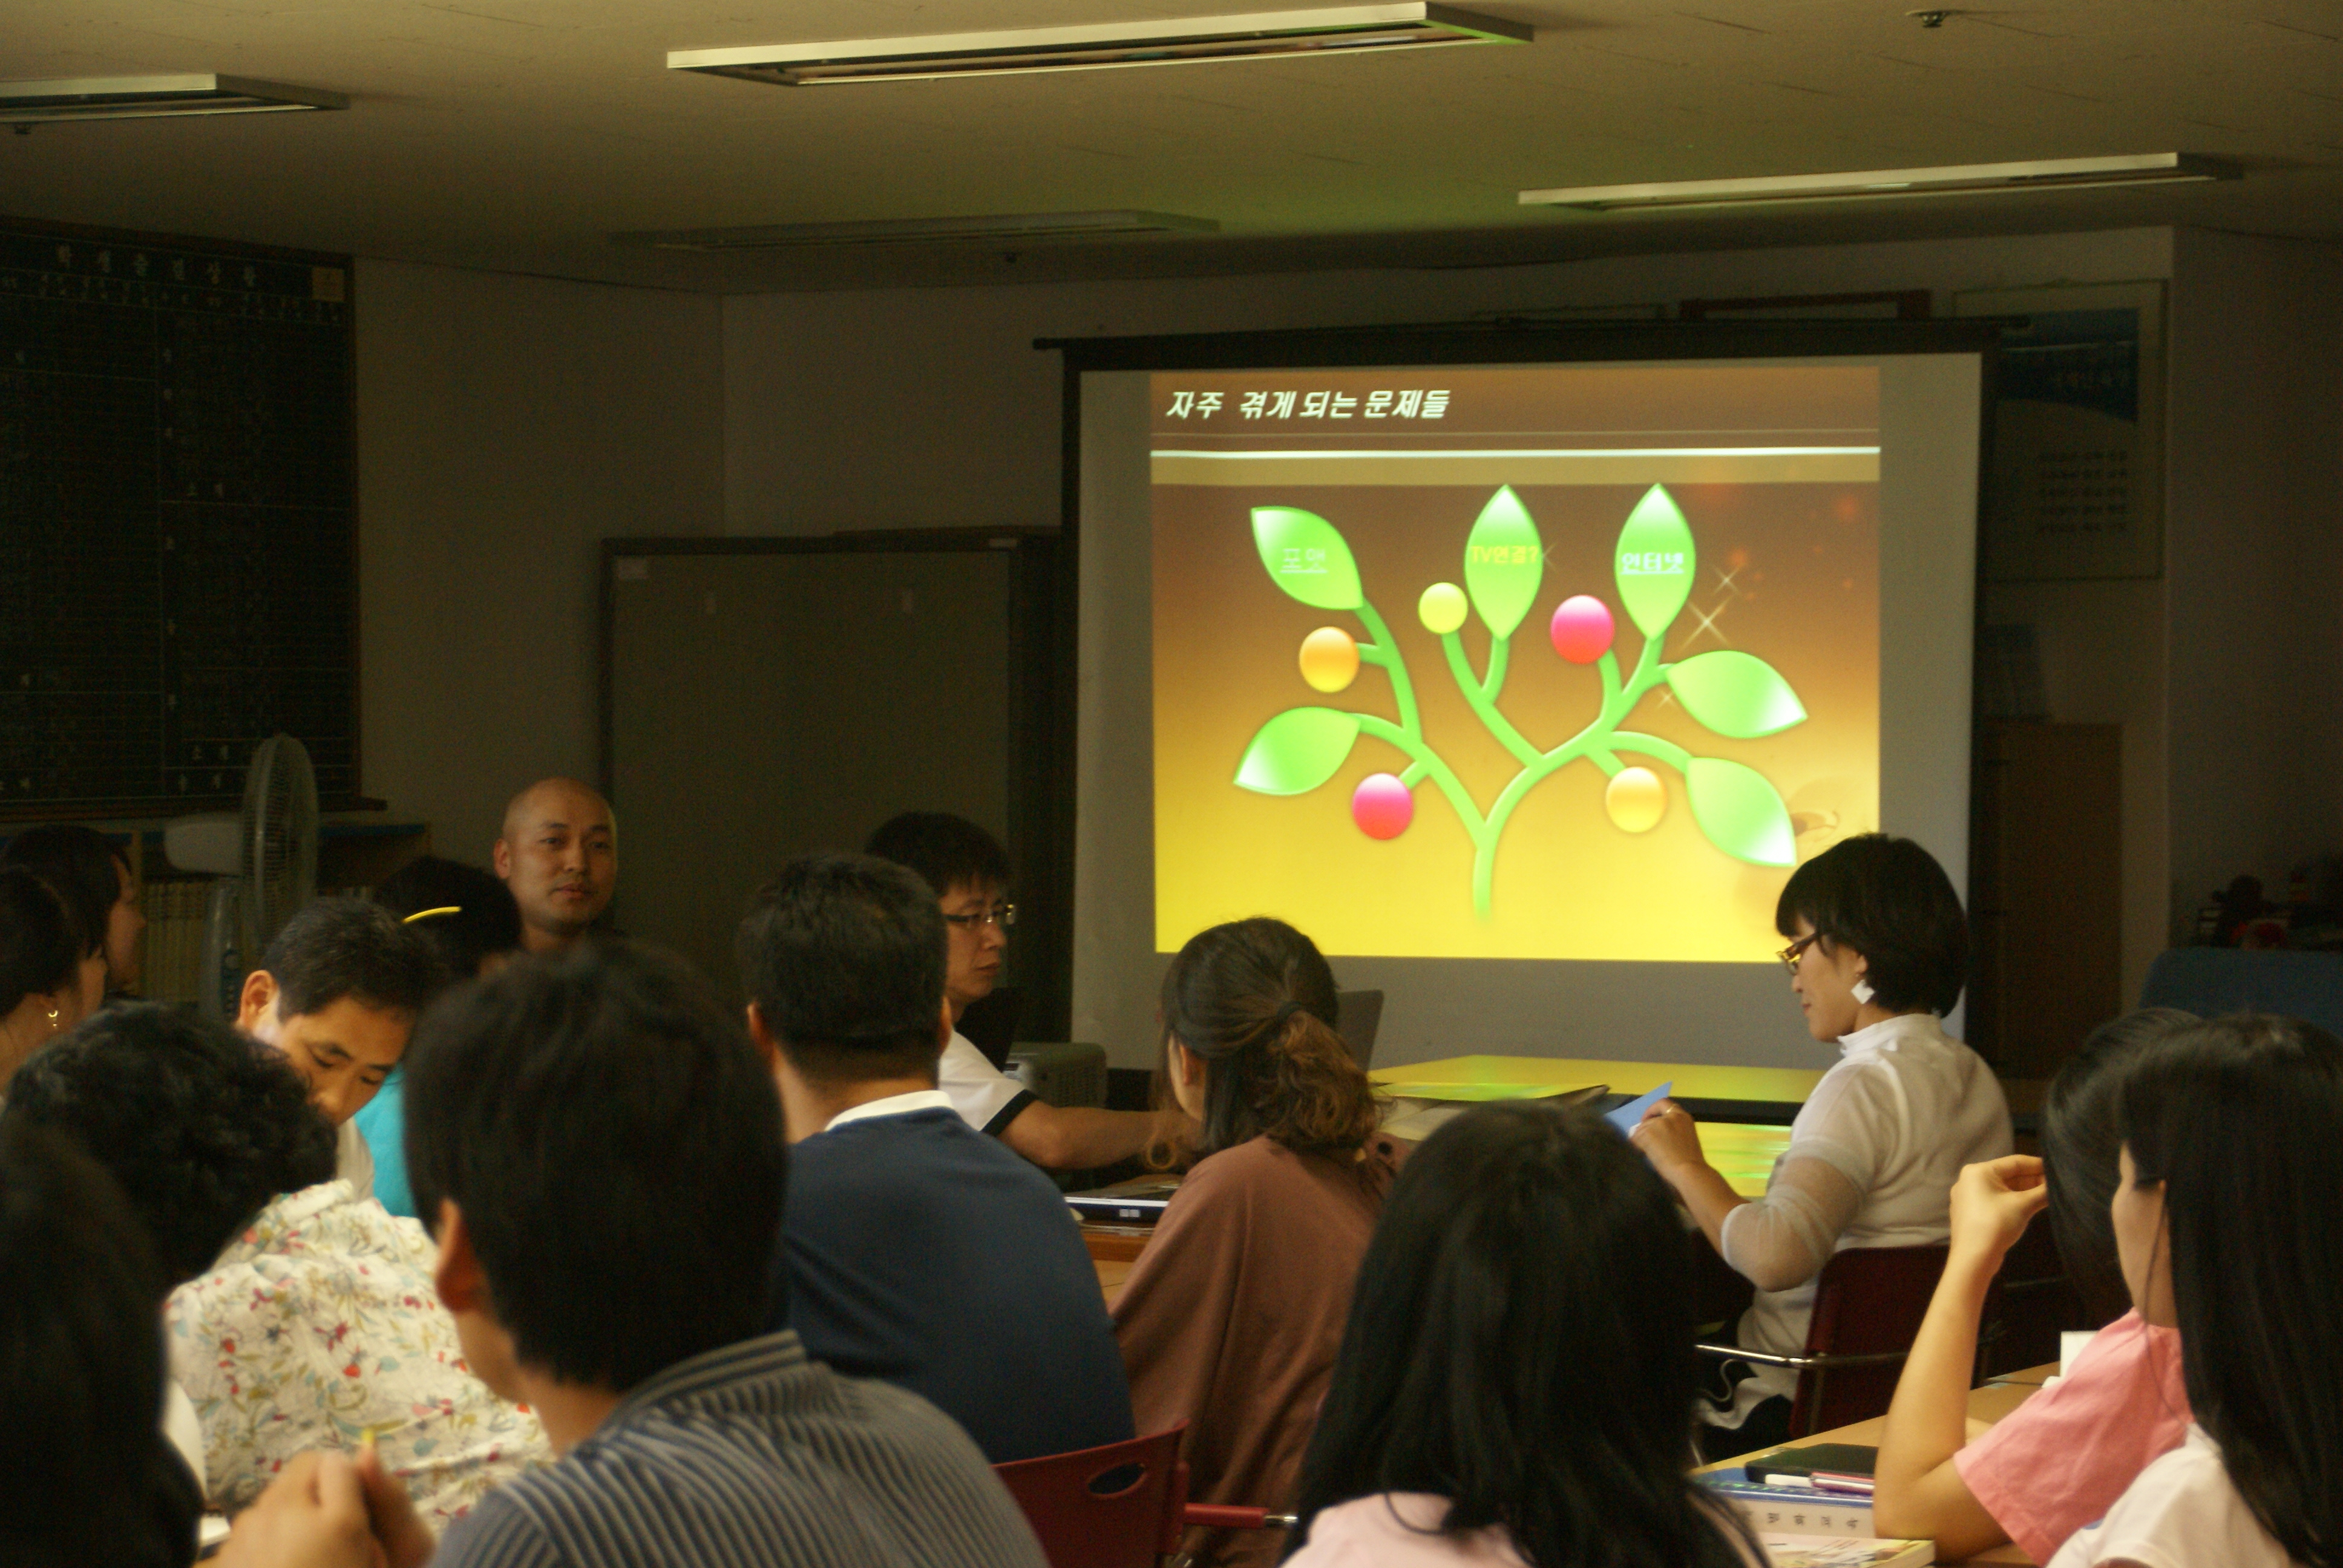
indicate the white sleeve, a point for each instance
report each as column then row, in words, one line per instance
column 986, row 1098
column 1783, row 1239
column 353, row 1160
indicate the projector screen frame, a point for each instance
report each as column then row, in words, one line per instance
column 1478, row 344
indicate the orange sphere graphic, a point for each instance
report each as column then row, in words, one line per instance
column 1330, row 658
column 1637, row 799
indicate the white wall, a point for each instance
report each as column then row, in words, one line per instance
column 506, row 423
column 931, row 408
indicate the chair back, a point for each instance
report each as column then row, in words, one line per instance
column 1358, row 1015
column 1868, row 1305
column 1113, row 1507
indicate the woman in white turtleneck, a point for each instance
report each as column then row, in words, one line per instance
column 1878, row 953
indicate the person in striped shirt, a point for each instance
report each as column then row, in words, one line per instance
column 598, row 1151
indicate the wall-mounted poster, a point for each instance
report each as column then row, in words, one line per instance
column 2076, row 486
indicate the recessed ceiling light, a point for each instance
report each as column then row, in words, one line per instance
column 1187, row 40
column 1031, row 225
column 1959, row 179
column 148, row 97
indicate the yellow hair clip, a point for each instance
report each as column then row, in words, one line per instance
column 426, row 914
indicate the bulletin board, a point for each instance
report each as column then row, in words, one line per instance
column 178, row 573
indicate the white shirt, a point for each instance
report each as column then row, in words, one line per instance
column 353, row 1160
column 892, row 1105
column 979, row 1090
column 1872, row 1156
column 2183, row 1510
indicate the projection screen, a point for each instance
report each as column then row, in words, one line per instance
column 1521, row 687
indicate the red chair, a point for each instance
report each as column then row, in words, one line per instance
column 1868, row 1305
column 1118, row 1506
column 1124, row 1506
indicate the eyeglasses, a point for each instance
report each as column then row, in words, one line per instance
column 1004, row 915
column 1797, row 951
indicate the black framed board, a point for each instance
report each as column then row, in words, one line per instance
column 177, row 516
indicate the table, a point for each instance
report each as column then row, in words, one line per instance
column 1767, row 1095
column 1988, row 1403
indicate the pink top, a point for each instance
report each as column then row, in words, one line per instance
column 2059, row 1460
column 1398, row 1530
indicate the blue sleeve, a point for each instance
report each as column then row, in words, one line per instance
column 383, row 1124
column 496, row 1534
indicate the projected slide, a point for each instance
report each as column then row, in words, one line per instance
column 1559, row 662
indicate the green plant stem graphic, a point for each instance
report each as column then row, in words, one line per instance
column 1731, row 693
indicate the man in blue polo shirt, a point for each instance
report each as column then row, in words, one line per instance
column 914, row 1248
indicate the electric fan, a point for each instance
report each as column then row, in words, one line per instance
column 265, row 857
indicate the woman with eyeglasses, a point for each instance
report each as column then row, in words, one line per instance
column 1877, row 956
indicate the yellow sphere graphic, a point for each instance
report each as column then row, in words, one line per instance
column 1441, row 609
column 1330, row 658
column 1637, row 799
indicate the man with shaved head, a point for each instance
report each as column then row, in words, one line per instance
column 560, row 855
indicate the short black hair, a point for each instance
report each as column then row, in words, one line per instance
column 41, row 940
column 82, row 864
column 337, row 948
column 947, row 852
column 1889, row 900
column 85, row 1473
column 845, row 956
column 614, row 1143
column 201, row 1126
column 486, row 922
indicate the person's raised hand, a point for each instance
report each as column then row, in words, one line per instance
column 313, row 1515
column 1667, row 1137
column 405, row 1542
column 1993, row 1201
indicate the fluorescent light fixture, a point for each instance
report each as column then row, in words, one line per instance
column 1957, row 179
column 1022, row 226
column 1188, row 40
column 148, row 97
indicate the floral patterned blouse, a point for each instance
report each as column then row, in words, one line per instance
column 319, row 1324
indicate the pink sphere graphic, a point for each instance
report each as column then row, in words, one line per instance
column 1381, row 805
column 1582, row 629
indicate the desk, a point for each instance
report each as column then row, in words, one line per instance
column 1769, row 1095
column 1987, row 1404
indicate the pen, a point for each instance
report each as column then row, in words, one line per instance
column 1831, row 1481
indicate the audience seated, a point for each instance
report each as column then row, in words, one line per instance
column 1879, row 953
column 470, row 921
column 50, row 975
column 2232, row 1159
column 600, row 1150
column 1231, row 1317
column 337, row 992
column 914, row 1248
column 968, row 872
column 306, row 1319
column 1517, row 1380
column 558, row 853
column 85, row 1477
column 2055, row 1464
column 94, row 874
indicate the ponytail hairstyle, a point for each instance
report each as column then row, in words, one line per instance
column 1255, row 1000
column 2241, row 1119
column 1521, row 1343
column 42, row 942
column 2079, row 1148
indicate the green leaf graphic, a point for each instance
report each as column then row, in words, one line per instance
column 1505, row 560
column 1305, row 555
column 1742, row 814
column 1298, row 750
column 1654, row 563
column 1736, row 694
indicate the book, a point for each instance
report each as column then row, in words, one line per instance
column 1843, row 1551
column 1796, row 1512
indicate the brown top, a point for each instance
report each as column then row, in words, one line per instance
column 1231, row 1316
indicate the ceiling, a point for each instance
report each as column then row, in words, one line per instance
column 520, row 134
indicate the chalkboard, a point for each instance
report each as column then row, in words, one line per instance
column 178, row 473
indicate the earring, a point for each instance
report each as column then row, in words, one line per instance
column 1863, row 992
column 54, row 1013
